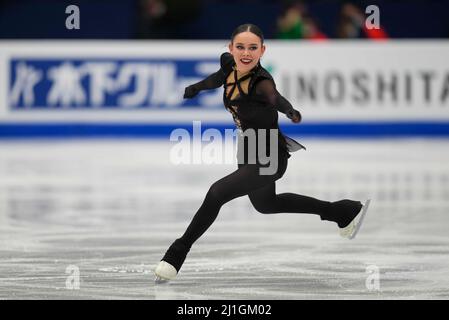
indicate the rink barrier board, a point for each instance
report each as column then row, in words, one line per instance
column 135, row 88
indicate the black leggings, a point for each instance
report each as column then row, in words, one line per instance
column 247, row 180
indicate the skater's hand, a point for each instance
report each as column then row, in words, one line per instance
column 190, row 92
column 294, row 115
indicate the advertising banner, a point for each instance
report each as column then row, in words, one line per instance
column 130, row 87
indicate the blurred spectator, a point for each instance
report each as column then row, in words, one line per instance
column 291, row 23
column 163, row 19
column 351, row 24
column 312, row 30
column 296, row 23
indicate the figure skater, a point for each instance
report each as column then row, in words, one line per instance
column 250, row 95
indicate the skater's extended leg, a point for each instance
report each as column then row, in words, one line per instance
column 265, row 200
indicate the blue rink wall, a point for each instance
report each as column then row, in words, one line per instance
column 122, row 89
column 163, row 131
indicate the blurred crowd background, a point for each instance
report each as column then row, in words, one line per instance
column 215, row 19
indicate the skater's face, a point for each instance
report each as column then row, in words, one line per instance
column 247, row 48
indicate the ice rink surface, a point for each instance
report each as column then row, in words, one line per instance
column 107, row 210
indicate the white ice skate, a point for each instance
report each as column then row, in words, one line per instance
column 350, row 231
column 165, row 272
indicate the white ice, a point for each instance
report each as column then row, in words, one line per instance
column 111, row 209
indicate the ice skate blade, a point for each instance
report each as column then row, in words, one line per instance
column 159, row 280
column 353, row 228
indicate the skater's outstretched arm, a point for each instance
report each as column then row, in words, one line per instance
column 213, row 81
column 268, row 89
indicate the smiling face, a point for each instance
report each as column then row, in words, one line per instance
column 247, row 49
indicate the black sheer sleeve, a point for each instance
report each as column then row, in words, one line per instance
column 215, row 80
column 267, row 88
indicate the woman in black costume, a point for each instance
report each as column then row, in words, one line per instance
column 251, row 97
